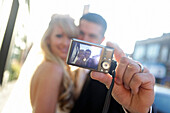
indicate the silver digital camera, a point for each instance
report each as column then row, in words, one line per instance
column 91, row 56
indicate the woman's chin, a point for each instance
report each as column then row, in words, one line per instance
column 64, row 58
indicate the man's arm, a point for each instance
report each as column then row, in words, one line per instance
column 133, row 89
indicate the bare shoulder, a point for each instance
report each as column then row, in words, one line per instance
column 45, row 84
column 50, row 70
column 50, row 66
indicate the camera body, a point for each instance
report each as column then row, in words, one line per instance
column 91, row 56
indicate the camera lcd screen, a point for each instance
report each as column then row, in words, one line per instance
column 84, row 55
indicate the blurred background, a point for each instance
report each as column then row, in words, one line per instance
column 140, row 27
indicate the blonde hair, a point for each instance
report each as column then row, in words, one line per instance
column 66, row 98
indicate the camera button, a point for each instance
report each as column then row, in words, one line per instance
column 106, row 71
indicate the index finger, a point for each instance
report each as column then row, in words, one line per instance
column 118, row 52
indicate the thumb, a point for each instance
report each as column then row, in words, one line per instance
column 118, row 52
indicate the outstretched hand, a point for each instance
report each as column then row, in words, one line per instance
column 133, row 89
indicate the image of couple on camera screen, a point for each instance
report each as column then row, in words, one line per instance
column 85, row 55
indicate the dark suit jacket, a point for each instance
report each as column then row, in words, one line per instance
column 92, row 99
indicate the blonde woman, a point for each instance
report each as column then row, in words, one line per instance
column 52, row 86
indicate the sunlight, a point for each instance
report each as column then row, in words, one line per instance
column 132, row 20
column 128, row 21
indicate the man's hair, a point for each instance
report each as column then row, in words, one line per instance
column 95, row 18
column 88, row 50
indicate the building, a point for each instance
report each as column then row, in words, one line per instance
column 154, row 53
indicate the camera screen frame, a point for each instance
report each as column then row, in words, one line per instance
column 105, row 55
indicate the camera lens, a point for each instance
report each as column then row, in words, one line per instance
column 105, row 65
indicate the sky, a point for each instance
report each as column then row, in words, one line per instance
column 128, row 20
column 132, row 20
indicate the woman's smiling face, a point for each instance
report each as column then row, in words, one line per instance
column 59, row 42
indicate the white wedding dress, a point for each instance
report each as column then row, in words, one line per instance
column 19, row 99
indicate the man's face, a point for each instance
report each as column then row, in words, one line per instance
column 90, row 32
column 87, row 54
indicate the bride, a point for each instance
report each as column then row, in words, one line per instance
column 46, row 83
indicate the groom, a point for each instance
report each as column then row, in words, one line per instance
column 133, row 91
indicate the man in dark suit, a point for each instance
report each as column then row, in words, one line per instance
column 133, row 90
column 89, row 62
